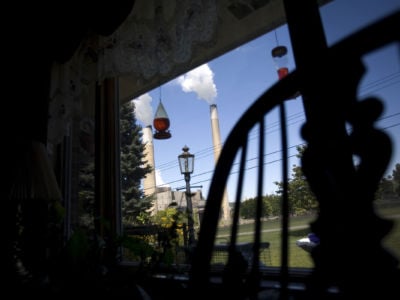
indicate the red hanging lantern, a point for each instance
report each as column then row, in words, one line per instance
column 161, row 123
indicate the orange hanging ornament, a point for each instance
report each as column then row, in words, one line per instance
column 161, row 123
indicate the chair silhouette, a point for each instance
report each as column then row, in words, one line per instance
column 331, row 174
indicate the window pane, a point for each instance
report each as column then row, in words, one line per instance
column 381, row 80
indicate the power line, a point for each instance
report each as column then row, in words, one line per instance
column 210, row 150
column 273, row 127
column 267, row 154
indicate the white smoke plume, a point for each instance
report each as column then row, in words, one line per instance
column 143, row 109
column 159, row 179
column 200, row 81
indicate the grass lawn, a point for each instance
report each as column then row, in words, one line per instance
column 392, row 241
column 299, row 229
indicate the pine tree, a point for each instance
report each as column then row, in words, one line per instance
column 133, row 166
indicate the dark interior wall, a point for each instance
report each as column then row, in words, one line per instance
column 35, row 35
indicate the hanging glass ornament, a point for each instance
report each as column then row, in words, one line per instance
column 161, row 123
column 280, row 57
column 279, row 54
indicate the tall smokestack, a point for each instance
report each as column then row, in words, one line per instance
column 216, row 137
column 201, row 81
column 149, row 182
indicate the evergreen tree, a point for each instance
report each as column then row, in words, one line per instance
column 133, row 166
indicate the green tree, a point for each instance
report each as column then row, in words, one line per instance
column 274, row 203
column 249, row 206
column 133, row 167
column 301, row 198
column 389, row 186
column 385, row 189
column 396, row 179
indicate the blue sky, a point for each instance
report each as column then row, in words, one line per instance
column 235, row 80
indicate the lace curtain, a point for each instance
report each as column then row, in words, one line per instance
column 156, row 37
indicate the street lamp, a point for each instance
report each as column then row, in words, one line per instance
column 186, row 165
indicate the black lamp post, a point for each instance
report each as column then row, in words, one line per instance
column 186, row 165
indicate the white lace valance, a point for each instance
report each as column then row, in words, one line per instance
column 162, row 36
column 155, row 38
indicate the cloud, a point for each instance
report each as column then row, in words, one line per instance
column 159, row 180
column 200, row 81
column 143, row 109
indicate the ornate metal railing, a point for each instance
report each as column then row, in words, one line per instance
column 331, row 173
